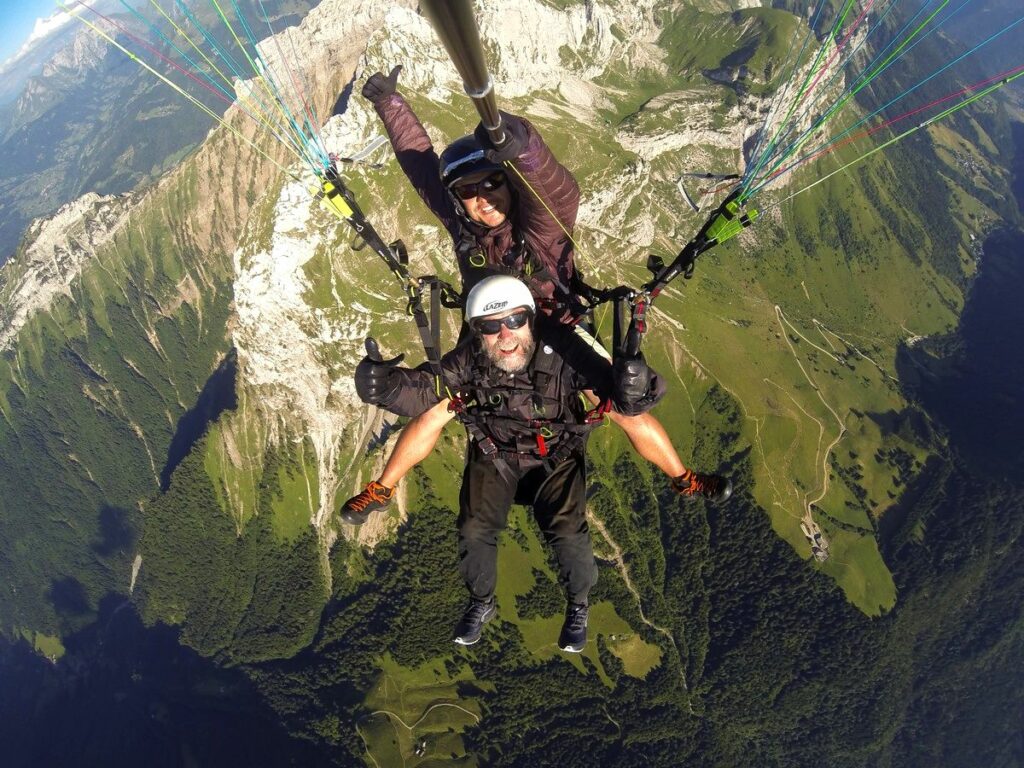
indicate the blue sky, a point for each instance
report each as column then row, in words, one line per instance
column 19, row 18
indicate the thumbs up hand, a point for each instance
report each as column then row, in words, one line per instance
column 376, row 378
column 377, row 87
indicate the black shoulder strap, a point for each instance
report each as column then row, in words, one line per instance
column 543, row 368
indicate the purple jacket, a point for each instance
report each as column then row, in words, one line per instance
column 544, row 238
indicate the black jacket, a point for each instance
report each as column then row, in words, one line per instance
column 549, row 393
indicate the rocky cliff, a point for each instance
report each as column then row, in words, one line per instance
column 208, row 325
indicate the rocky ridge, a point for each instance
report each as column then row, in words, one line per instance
column 57, row 250
column 295, row 359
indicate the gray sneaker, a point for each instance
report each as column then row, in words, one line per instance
column 574, row 630
column 478, row 613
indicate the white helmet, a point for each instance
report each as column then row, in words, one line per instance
column 497, row 293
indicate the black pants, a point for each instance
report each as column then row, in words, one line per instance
column 559, row 500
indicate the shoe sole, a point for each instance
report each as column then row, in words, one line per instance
column 724, row 494
column 352, row 519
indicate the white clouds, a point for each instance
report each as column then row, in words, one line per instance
column 43, row 29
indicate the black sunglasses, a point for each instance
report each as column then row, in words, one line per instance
column 469, row 191
column 513, row 322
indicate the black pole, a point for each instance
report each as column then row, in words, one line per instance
column 455, row 24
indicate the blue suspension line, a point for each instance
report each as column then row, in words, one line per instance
column 774, row 140
column 913, row 88
column 843, row 96
column 780, row 96
column 236, row 70
column 305, row 83
column 213, row 82
column 311, row 150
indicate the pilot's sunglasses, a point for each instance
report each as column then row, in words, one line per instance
column 469, row 191
column 513, row 322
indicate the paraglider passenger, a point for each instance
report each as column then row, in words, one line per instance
column 517, row 384
column 511, row 210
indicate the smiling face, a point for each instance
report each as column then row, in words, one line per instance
column 509, row 350
column 489, row 207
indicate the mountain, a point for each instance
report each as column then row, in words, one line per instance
column 47, row 38
column 85, row 118
column 179, row 427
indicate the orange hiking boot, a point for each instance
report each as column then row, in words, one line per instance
column 374, row 496
column 714, row 488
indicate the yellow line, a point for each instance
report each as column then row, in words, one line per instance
column 175, row 86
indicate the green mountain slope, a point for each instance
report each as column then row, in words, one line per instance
column 179, row 428
column 95, row 388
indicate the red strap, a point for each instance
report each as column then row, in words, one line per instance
column 597, row 413
column 542, row 447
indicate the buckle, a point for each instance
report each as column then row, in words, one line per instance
column 487, row 447
column 596, row 414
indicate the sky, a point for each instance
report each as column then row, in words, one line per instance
column 19, row 19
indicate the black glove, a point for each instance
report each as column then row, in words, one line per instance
column 632, row 379
column 516, row 138
column 376, row 378
column 378, row 87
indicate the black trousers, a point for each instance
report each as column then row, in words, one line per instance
column 558, row 497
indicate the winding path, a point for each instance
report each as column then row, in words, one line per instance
column 394, row 716
column 784, row 323
column 620, row 563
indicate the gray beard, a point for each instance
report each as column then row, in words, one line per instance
column 516, row 363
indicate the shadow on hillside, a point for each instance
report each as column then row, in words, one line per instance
column 117, row 533
column 218, row 395
column 127, row 694
column 68, row 597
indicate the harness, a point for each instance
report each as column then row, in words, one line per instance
column 513, row 423
column 340, row 200
column 519, row 262
column 539, row 426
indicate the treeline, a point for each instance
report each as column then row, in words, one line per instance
column 781, row 669
column 774, row 665
column 245, row 596
column 73, row 464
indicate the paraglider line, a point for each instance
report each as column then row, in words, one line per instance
column 887, row 123
column 925, row 80
column 793, row 148
column 848, row 92
column 175, row 86
column 903, row 135
column 259, row 118
column 780, row 97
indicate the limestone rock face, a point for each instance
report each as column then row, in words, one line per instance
column 302, row 302
column 53, row 256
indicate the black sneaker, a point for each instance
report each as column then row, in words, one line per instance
column 574, row 630
column 712, row 487
column 478, row 613
column 373, row 497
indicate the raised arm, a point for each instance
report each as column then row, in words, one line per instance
column 411, row 144
column 407, row 391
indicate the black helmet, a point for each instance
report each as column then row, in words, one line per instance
column 463, row 157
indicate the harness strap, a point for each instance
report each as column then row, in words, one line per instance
column 430, row 329
column 596, row 414
column 553, row 456
column 484, row 442
column 470, row 255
